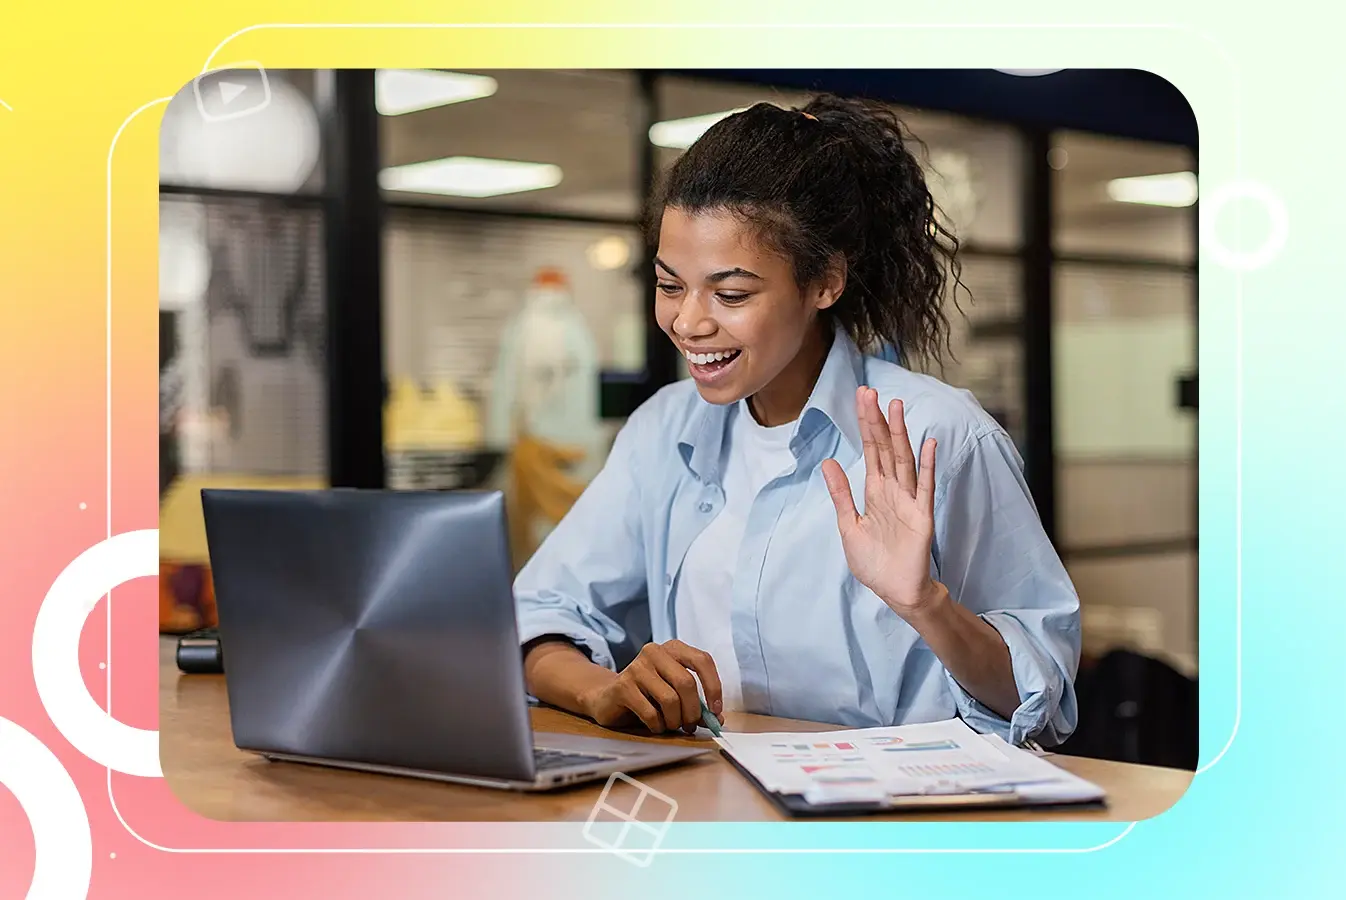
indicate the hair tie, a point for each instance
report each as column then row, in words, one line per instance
column 808, row 115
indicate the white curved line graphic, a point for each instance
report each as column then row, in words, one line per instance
column 1237, row 127
column 572, row 851
column 720, row 26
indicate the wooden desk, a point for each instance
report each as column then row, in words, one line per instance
column 215, row 779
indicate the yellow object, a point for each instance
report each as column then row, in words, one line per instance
column 540, row 489
column 451, row 419
column 401, row 413
column 441, row 420
column 182, row 529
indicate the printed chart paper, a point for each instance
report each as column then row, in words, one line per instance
column 931, row 758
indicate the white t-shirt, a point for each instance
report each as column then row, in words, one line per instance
column 756, row 455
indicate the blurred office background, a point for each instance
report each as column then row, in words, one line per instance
column 432, row 279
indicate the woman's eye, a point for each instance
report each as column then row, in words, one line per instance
column 732, row 298
column 668, row 289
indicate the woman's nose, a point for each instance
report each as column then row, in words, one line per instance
column 692, row 319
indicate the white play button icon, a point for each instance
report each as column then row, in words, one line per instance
column 229, row 91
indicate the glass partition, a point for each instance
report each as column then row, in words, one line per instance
column 511, row 285
column 1124, row 336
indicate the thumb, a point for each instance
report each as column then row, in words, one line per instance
column 840, row 489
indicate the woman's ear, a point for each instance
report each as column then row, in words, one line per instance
column 833, row 282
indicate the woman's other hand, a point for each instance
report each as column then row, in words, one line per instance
column 658, row 689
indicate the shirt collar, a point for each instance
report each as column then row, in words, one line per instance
column 831, row 404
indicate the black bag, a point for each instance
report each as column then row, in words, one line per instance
column 1135, row 709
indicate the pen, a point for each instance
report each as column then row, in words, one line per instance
column 708, row 719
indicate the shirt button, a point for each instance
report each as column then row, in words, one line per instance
column 704, row 506
column 668, row 579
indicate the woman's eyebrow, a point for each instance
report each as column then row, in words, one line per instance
column 733, row 273
column 736, row 272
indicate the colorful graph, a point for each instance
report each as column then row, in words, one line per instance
column 844, row 778
column 822, row 767
column 825, row 754
column 928, row 745
column 944, row 770
column 839, row 746
column 839, row 774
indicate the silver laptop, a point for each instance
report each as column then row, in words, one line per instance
column 376, row 630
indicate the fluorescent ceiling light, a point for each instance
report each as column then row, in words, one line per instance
column 469, row 176
column 1171, row 189
column 400, row 91
column 679, row 134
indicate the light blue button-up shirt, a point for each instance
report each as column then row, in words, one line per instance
column 811, row 641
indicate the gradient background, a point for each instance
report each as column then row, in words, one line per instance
column 1257, row 818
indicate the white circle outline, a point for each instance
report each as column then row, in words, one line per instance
column 1181, row 28
column 62, row 838
column 1239, row 260
column 60, row 684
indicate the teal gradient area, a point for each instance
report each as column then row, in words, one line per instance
column 1262, row 817
column 1259, row 818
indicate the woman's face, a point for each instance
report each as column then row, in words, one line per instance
column 731, row 306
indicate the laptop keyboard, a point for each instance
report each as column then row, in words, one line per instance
column 556, row 759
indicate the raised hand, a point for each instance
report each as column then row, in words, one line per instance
column 888, row 548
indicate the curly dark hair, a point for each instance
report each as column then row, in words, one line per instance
column 835, row 179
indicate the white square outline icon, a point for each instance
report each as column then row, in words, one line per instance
column 645, row 855
column 266, row 92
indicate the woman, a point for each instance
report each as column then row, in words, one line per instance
column 763, row 528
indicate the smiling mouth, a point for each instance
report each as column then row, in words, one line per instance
column 711, row 360
column 711, row 368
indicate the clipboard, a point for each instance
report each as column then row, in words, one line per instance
column 796, row 806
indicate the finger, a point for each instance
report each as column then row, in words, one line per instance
column 647, row 682
column 839, row 486
column 635, row 700
column 879, row 426
column 676, row 676
column 925, row 486
column 665, row 699
column 662, row 695
column 903, row 462
column 873, row 468
column 700, row 662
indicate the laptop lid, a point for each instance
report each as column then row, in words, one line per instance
column 371, row 626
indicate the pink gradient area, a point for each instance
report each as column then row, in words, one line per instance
column 155, row 837
column 16, row 847
column 55, row 457
column 138, row 876
column 153, row 815
column 135, row 676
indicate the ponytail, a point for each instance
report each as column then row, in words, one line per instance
column 834, row 181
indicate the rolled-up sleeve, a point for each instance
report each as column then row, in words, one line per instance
column 591, row 568
column 993, row 555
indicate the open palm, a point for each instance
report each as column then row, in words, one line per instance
column 888, row 548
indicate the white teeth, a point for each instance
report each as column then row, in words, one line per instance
column 705, row 359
